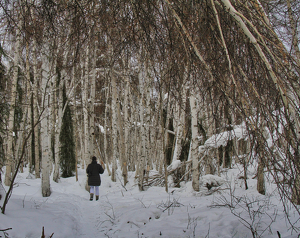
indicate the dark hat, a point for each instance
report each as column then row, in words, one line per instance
column 94, row 158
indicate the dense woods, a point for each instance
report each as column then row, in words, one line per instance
column 163, row 88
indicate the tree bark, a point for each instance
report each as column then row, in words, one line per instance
column 127, row 122
column 92, row 103
column 114, row 126
column 45, row 132
column 194, row 146
column 10, row 138
column 122, row 154
column 28, row 108
column 36, row 112
column 107, row 90
column 260, row 177
column 142, row 155
column 85, row 96
column 180, row 118
column 59, row 112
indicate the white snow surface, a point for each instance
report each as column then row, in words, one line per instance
column 153, row 213
column 222, row 138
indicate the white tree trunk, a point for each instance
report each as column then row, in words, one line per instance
column 82, row 134
column 58, row 121
column 126, row 121
column 122, row 154
column 45, row 121
column 36, row 111
column 28, row 108
column 92, row 104
column 136, row 148
column 147, row 127
column 76, row 128
column 107, row 160
column 10, row 137
column 194, row 146
column 114, row 126
column 165, row 139
column 87, row 153
column 142, row 155
column 132, row 140
column 180, row 119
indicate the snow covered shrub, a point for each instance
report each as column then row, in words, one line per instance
column 209, row 181
column 169, row 205
column 255, row 213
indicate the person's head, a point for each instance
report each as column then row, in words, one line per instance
column 94, row 158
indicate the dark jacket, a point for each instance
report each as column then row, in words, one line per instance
column 94, row 170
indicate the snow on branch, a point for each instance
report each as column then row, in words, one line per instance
column 221, row 139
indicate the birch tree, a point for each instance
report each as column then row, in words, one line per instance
column 29, row 109
column 36, row 111
column 114, row 126
column 10, row 138
column 58, row 121
column 180, row 119
column 85, row 100
column 242, row 62
column 92, row 102
column 122, row 154
column 142, row 155
column 194, row 143
column 45, row 125
column 127, row 123
column 107, row 93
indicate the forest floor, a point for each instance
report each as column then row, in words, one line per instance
column 226, row 211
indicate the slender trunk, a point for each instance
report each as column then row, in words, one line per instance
column 194, row 147
column 82, row 134
column 122, row 154
column 76, row 131
column 45, row 135
column 10, row 138
column 127, row 123
column 180, row 118
column 28, row 108
column 114, row 126
column 260, row 178
column 261, row 188
column 36, row 111
column 141, row 162
column 105, row 131
column 160, row 125
column 19, row 142
column 92, row 103
column 165, row 139
column 57, row 128
column 136, row 142
column 25, row 122
column 147, row 128
column 85, row 94
column 132, row 135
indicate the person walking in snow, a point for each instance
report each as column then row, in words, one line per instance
column 93, row 172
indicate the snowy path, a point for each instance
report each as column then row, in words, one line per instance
column 86, row 213
column 88, row 219
column 127, row 213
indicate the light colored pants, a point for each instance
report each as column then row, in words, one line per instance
column 94, row 188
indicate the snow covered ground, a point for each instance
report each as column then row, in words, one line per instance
column 153, row 213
